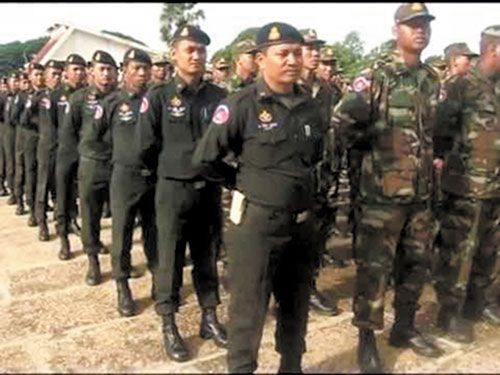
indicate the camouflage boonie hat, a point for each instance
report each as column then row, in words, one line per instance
column 277, row 33
column 410, row 11
column 75, row 59
column 103, row 58
column 311, row 38
column 221, row 63
column 134, row 54
column 192, row 33
column 245, row 46
column 436, row 61
column 160, row 59
column 493, row 31
column 326, row 55
column 457, row 49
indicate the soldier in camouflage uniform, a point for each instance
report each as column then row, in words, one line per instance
column 392, row 110
column 244, row 65
column 469, row 123
column 220, row 73
column 438, row 64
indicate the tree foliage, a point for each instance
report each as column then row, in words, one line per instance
column 123, row 36
column 227, row 51
column 14, row 55
column 350, row 54
column 176, row 14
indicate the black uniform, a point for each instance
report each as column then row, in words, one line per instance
column 21, row 135
column 3, row 99
column 173, row 118
column 9, row 141
column 132, row 185
column 277, row 141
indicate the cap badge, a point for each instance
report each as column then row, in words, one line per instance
column 184, row 32
column 274, row 33
column 417, row 6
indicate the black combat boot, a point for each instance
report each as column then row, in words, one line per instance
column 74, row 227
column 43, row 231
column 12, row 200
column 126, row 305
column 319, row 303
column 456, row 327
column 290, row 364
column 368, row 358
column 32, row 220
column 94, row 272
column 174, row 345
column 404, row 334
column 210, row 328
column 64, row 252
column 3, row 191
column 20, row 207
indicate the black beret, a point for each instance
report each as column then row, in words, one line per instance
column 193, row 33
column 103, row 58
column 14, row 75
column 277, row 33
column 75, row 60
column 35, row 66
column 53, row 64
column 136, row 55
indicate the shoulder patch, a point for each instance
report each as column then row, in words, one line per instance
column 221, row 115
column 68, row 107
column 98, row 112
column 28, row 103
column 144, row 105
column 45, row 103
column 361, row 84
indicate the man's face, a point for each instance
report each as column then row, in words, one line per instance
column 4, row 88
column 159, row 72
column 75, row 75
column 24, row 84
column 310, row 56
column 189, row 56
column 36, row 78
column 221, row 74
column 136, row 75
column 490, row 55
column 281, row 63
column 414, row 35
column 53, row 77
column 325, row 71
column 104, row 76
column 13, row 84
column 246, row 63
column 461, row 64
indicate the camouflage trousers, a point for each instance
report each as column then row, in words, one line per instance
column 469, row 243
column 387, row 236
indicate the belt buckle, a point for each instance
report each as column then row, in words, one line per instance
column 301, row 217
column 199, row 185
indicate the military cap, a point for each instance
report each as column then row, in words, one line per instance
column 192, row 33
column 23, row 76
column 221, row 63
column 311, row 38
column 326, row 55
column 53, row 64
column 35, row 66
column 160, row 59
column 409, row 11
column 75, row 60
column 457, row 49
column 14, row 75
column 277, row 33
column 135, row 54
column 493, row 31
column 244, row 46
column 436, row 61
column 103, row 57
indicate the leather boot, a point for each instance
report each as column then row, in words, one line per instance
column 43, row 231
column 457, row 328
column 320, row 305
column 94, row 271
column 126, row 306
column 20, row 208
column 12, row 200
column 65, row 252
column 3, row 191
column 210, row 328
column 368, row 358
column 174, row 345
column 290, row 364
column 74, row 227
column 404, row 334
column 32, row 220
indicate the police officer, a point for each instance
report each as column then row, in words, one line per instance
column 276, row 132
column 79, row 132
column 324, row 215
column 3, row 98
column 66, row 162
column 173, row 118
column 132, row 185
column 9, row 137
column 47, row 143
column 469, row 118
column 392, row 108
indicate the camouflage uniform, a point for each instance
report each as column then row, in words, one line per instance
column 468, row 137
column 391, row 109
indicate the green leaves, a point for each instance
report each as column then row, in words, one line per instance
column 176, row 14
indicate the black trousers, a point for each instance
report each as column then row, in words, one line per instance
column 20, row 177
column 268, row 252
column 30, row 165
column 184, row 215
column 2, row 156
column 9, row 145
column 131, row 194
column 45, row 180
column 93, row 188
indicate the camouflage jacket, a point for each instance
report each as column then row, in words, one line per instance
column 391, row 110
column 236, row 84
column 469, row 124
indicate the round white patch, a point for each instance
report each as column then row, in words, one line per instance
column 68, row 106
column 221, row 115
column 360, row 84
column 45, row 102
column 144, row 105
column 98, row 112
column 28, row 103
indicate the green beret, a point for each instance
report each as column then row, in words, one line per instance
column 457, row 49
column 192, row 33
column 493, row 31
column 311, row 38
column 134, row 54
column 277, row 33
column 75, row 60
column 103, row 58
column 410, row 11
